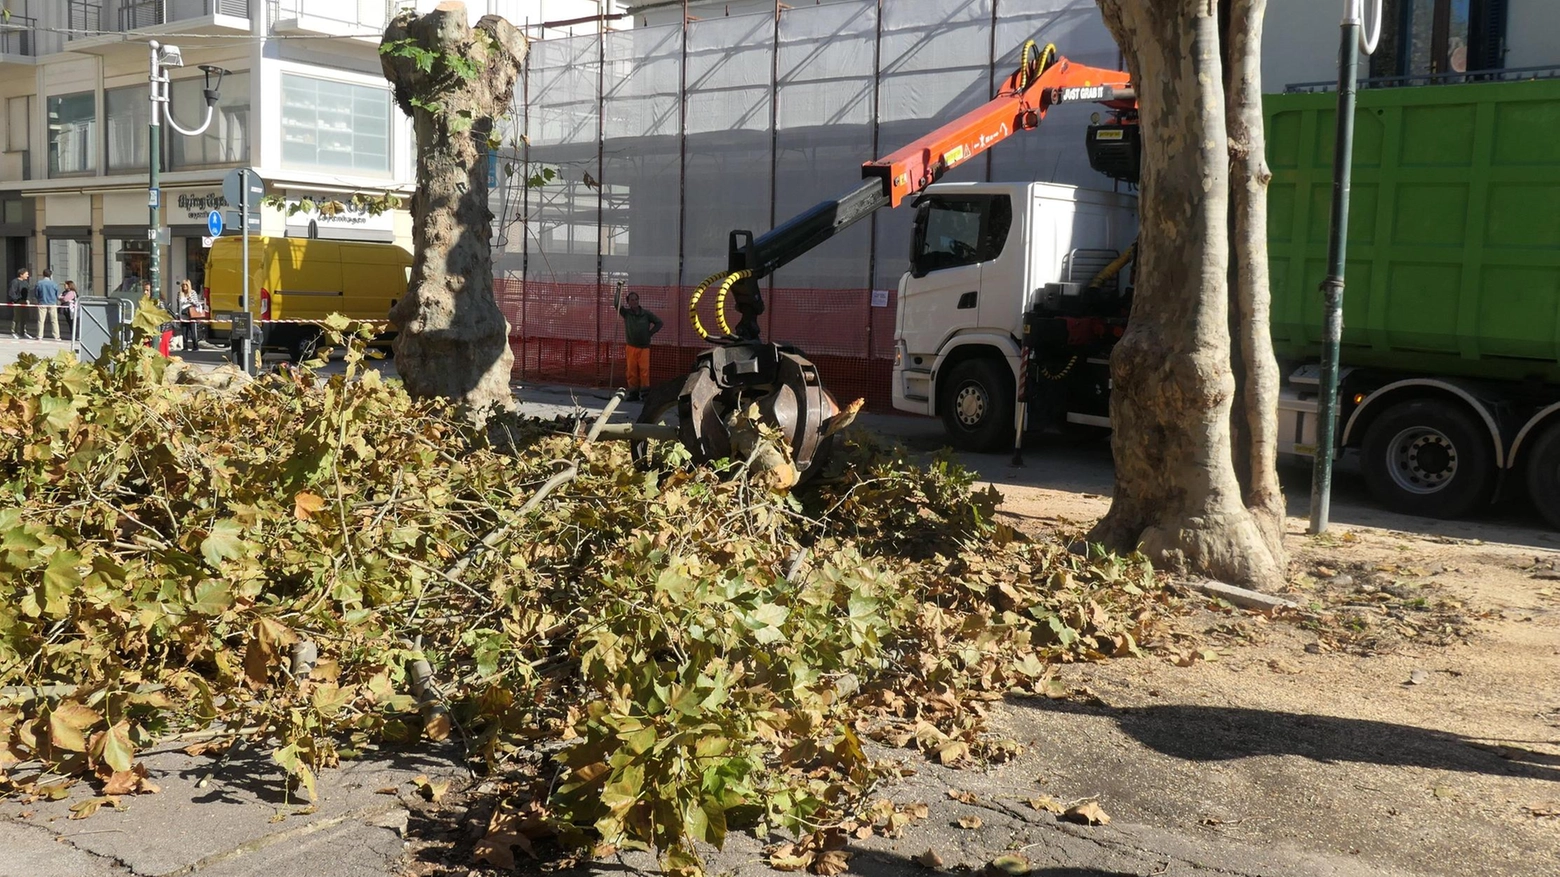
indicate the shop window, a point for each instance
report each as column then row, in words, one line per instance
column 71, row 259
column 127, row 113
column 226, row 141
column 72, row 134
column 332, row 125
column 129, row 263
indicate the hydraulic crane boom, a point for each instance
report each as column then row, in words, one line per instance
column 744, row 374
column 1041, row 81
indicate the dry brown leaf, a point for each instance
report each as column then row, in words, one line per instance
column 786, row 857
column 830, row 862
column 305, row 504
column 962, row 796
column 130, row 782
column 431, row 790
column 1087, row 813
column 970, row 822
column 863, row 832
column 1046, row 804
column 438, row 726
column 928, row 859
column 917, row 810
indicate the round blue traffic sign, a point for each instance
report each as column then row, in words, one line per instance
column 214, row 223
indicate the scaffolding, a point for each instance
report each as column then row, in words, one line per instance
column 666, row 138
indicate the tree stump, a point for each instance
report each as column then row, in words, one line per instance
column 453, row 80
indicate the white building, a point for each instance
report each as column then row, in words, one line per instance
column 304, row 103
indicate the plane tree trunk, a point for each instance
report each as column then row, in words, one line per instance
column 453, row 80
column 1177, row 494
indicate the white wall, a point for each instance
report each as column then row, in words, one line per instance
column 1300, row 42
column 1533, row 33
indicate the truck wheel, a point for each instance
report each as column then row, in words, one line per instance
column 300, row 348
column 1543, row 475
column 976, row 401
column 1429, row 458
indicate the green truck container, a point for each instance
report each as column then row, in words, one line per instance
column 1451, row 340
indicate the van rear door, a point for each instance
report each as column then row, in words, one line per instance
column 308, row 279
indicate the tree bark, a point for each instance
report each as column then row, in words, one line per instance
column 1177, row 497
column 452, row 339
column 1255, row 414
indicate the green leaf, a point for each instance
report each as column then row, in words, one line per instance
column 118, row 751
column 211, row 598
column 60, row 580
column 224, row 542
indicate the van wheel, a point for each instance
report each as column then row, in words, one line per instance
column 1543, row 475
column 302, row 346
column 1428, row 458
column 976, row 401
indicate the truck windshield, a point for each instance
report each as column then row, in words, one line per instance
column 950, row 232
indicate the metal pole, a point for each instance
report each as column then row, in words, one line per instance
column 1332, row 286
column 245, row 343
column 153, row 196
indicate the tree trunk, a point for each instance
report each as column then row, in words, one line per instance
column 1177, row 497
column 1255, row 415
column 453, row 341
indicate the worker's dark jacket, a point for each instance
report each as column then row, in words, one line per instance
column 637, row 327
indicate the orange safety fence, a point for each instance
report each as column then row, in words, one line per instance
column 568, row 333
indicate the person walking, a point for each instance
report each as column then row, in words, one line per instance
column 16, row 299
column 47, row 294
column 639, row 326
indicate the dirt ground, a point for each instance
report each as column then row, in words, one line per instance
column 1408, row 713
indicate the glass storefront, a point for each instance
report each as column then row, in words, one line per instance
column 71, row 259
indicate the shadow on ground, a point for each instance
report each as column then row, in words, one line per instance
column 1202, row 733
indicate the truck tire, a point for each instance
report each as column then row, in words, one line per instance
column 1430, row 458
column 1543, row 475
column 976, row 401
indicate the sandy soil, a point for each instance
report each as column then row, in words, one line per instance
column 1408, row 713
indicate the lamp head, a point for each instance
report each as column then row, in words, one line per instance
column 214, row 76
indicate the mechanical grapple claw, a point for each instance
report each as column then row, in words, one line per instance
column 727, row 380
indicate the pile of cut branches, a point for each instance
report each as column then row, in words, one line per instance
column 320, row 564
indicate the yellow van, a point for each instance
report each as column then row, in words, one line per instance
column 304, row 279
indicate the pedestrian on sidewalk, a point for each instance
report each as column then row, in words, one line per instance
column 47, row 294
column 191, row 308
column 16, row 300
column 68, row 299
column 639, row 326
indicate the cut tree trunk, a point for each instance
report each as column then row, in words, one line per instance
column 1255, row 413
column 1177, row 497
column 452, row 339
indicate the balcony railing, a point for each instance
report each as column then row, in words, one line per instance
column 89, row 18
column 364, row 15
column 17, row 36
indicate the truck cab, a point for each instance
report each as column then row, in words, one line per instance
column 982, row 256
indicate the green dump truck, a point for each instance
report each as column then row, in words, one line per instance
column 1450, row 385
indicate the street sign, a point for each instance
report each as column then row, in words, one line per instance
column 214, row 223
column 234, row 225
column 153, row 198
column 242, row 186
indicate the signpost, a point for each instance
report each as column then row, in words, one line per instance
column 243, row 189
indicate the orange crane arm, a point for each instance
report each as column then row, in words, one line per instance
column 1026, row 97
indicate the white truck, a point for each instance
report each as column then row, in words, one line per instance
column 983, row 256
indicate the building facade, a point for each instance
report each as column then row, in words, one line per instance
column 304, row 102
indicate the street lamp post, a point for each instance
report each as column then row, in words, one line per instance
column 164, row 57
column 1353, row 42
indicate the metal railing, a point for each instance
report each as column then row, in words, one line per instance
column 1506, row 74
column 89, row 18
column 16, row 36
column 350, row 14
